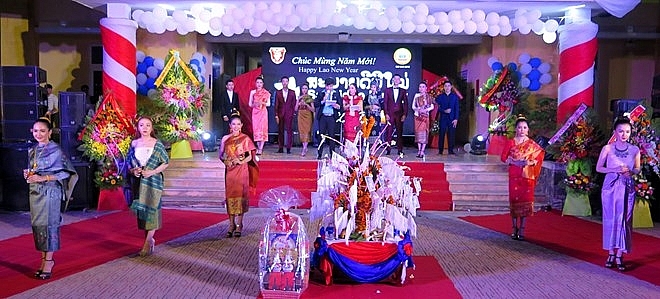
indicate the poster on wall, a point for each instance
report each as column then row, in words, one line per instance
column 359, row 64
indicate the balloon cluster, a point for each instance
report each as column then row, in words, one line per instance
column 149, row 68
column 260, row 17
column 532, row 72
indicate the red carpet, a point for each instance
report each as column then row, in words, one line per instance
column 301, row 175
column 90, row 243
column 580, row 239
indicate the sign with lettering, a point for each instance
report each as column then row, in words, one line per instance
column 359, row 64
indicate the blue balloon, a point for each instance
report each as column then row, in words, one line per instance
column 518, row 75
column 142, row 90
column 149, row 61
column 534, row 85
column 142, row 68
column 512, row 66
column 534, row 62
column 534, row 75
column 497, row 66
column 150, row 83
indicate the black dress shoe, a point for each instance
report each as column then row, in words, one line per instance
column 279, row 151
column 288, row 151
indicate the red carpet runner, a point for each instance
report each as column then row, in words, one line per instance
column 90, row 243
column 301, row 175
column 580, row 239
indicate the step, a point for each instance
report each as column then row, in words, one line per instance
column 194, row 192
column 476, row 167
column 194, row 183
column 460, row 205
column 187, row 163
column 481, row 196
column 471, row 187
column 476, row 178
column 174, row 201
column 194, row 173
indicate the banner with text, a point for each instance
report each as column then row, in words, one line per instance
column 359, row 64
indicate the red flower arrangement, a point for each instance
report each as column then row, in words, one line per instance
column 580, row 141
column 643, row 188
column 580, row 182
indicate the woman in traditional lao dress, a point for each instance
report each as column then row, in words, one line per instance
column 619, row 161
column 148, row 159
column 259, row 101
column 373, row 107
column 236, row 151
column 352, row 108
column 305, row 108
column 524, row 157
column 51, row 177
column 422, row 105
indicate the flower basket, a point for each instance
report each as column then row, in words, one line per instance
column 642, row 215
column 181, row 150
column 576, row 203
column 112, row 199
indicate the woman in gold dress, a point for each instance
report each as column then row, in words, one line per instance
column 422, row 105
column 260, row 101
column 305, row 108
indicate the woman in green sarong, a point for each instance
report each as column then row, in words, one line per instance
column 51, row 177
column 148, row 159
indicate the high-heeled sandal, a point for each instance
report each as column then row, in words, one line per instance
column 514, row 234
column 43, row 275
column 609, row 263
column 303, row 152
column 519, row 234
column 148, row 247
column 619, row 263
column 230, row 232
column 237, row 233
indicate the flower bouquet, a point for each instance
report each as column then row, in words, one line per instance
column 648, row 141
column 643, row 189
column 581, row 141
column 108, row 176
column 580, row 182
column 501, row 91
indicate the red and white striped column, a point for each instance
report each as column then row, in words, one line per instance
column 118, row 35
column 577, row 53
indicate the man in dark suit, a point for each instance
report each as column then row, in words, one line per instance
column 285, row 108
column 448, row 117
column 328, row 107
column 395, row 105
column 229, row 104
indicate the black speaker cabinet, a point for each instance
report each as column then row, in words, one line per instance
column 13, row 159
column 69, row 144
column 26, row 111
column 22, row 93
column 72, row 109
column 85, row 193
column 23, row 75
column 17, row 130
column 621, row 106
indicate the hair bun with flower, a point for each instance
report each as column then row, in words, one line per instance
column 235, row 113
column 521, row 117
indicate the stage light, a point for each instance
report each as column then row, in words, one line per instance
column 478, row 145
column 208, row 142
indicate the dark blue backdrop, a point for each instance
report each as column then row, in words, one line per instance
column 346, row 63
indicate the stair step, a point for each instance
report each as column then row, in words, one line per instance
column 475, row 205
column 471, row 186
column 194, row 192
column 194, row 183
column 173, row 201
column 477, row 178
column 481, row 196
column 475, row 167
column 188, row 163
column 194, row 173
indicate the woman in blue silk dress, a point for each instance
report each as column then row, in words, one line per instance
column 51, row 177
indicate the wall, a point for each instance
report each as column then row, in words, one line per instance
column 12, row 28
column 67, row 60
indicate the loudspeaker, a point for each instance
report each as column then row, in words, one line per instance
column 17, row 130
column 621, row 106
column 22, row 93
column 72, row 109
column 20, row 111
column 15, row 191
column 85, row 193
column 69, row 143
column 22, row 75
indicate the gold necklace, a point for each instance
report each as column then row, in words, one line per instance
column 35, row 157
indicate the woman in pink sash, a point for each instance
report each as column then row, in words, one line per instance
column 260, row 101
column 524, row 158
column 422, row 104
column 352, row 108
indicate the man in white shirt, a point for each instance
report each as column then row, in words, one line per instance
column 53, row 106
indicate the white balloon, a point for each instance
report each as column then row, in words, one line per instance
column 261, row 5
column 348, row 21
column 520, row 21
column 492, row 18
column 372, row 15
column 505, row 30
column 406, row 14
column 247, row 22
column 478, row 16
column 293, row 20
column 430, row 20
column 395, row 25
column 255, row 33
column 422, row 9
column 392, row 12
column 551, row 25
column 524, row 82
column 337, row 19
column 159, row 12
column 323, row 20
column 217, row 11
column 408, row 27
column 236, row 28
column 504, row 20
column 524, row 58
column 359, row 22
column 544, row 68
column 370, row 25
column 152, row 72
column 237, row 13
column 352, row 10
column 141, row 78
column 202, row 27
column 205, row 15
column 152, row 93
column 549, row 37
column 329, row 5
column 545, row 79
column 215, row 23
column 195, row 9
column 520, row 12
column 215, row 32
column 446, row 28
column 227, row 20
column 136, row 14
column 159, row 63
column 226, row 31
column 303, row 9
column 441, row 17
column 288, row 8
column 470, row 27
column 493, row 30
column 249, row 8
column 139, row 56
column 482, row 27
column 525, row 29
column 280, row 20
column 466, row 14
column 276, row 7
column 190, row 24
column 273, row 29
column 181, row 29
column 382, row 23
column 170, row 24
column 492, row 60
column 419, row 19
column 433, row 28
column 454, row 16
column 147, row 17
column 458, row 27
column 538, row 27
column 310, row 21
column 531, row 17
column 525, row 68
